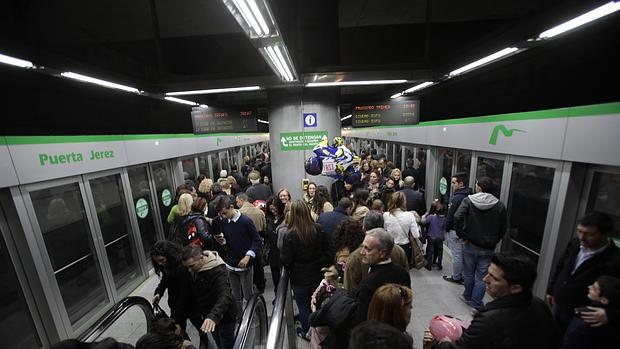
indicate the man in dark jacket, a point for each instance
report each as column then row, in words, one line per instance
column 460, row 192
column 515, row 318
column 589, row 256
column 212, row 290
column 329, row 220
column 257, row 190
column 481, row 222
column 415, row 199
column 411, row 171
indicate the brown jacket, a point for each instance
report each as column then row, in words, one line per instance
column 256, row 215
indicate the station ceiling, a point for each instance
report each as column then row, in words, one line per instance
column 173, row 45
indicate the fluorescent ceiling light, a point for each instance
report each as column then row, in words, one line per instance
column 355, row 83
column 214, row 90
column 203, row 106
column 179, row 100
column 595, row 14
column 396, row 95
column 99, row 82
column 275, row 56
column 346, row 117
column 483, row 61
column 15, row 61
column 418, row 87
column 252, row 16
column 259, row 16
column 263, row 121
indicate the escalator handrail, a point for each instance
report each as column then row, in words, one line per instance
column 246, row 322
column 275, row 325
column 99, row 327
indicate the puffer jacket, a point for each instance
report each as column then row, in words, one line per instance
column 481, row 220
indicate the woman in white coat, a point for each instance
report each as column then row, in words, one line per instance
column 399, row 223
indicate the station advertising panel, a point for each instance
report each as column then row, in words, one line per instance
column 394, row 112
column 223, row 120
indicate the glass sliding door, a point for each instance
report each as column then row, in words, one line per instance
column 446, row 159
column 17, row 328
column 66, row 232
column 492, row 168
column 164, row 190
column 114, row 224
column 144, row 208
column 604, row 197
column 189, row 169
column 527, row 208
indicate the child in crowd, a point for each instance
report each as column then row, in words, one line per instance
column 603, row 293
column 435, row 221
column 377, row 206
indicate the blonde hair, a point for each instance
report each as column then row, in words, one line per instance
column 254, row 175
column 205, row 185
column 184, row 207
column 399, row 172
column 397, row 200
column 231, row 180
column 388, row 305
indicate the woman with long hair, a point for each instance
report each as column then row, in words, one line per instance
column 399, row 223
column 274, row 218
column 321, row 202
column 375, row 184
column 388, row 189
column 360, row 204
column 391, row 304
column 283, row 196
column 348, row 236
column 310, row 194
column 305, row 251
column 166, row 260
column 398, row 178
column 195, row 225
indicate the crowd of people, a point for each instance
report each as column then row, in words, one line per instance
column 349, row 254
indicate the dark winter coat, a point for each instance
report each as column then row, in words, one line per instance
column 213, row 291
column 511, row 322
column 178, row 281
column 569, row 289
column 415, row 201
column 305, row 261
column 457, row 198
column 199, row 221
column 481, row 220
column 258, row 191
column 329, row 221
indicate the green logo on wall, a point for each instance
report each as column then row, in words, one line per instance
column 142, row 208
column 504, row 130
column 166, row 197
column 443, row 185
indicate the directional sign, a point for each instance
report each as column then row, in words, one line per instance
column 301, row 140
column 310, row 120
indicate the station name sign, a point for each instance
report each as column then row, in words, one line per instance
column 216, row 120
column 395, row 112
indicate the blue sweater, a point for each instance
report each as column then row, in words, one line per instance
column 241, row 239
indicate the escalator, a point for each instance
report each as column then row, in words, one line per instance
column 130, row 319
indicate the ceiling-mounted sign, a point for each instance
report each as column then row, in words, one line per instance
column 310, row 120
column 394, row 112
column 213, row 120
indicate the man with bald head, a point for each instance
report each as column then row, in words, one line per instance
column 414, row 199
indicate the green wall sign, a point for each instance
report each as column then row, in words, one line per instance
column 504, row 130
column 443, row 186
column 142, row 208
column 301, row 140
column 166, row 197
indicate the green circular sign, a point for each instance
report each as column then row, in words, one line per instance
column 166, row 197
column 443, row 185
column 142, row 208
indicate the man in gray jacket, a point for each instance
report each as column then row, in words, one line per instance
column 480, row 221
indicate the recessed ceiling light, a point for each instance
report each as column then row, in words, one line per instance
column 355, row 83
column 214, row 90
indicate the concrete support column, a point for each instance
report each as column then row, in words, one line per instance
column 286, row 108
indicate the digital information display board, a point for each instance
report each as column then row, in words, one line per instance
column 221, row 120
column 394, row 112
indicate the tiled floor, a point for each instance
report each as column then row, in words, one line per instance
column 432, row 296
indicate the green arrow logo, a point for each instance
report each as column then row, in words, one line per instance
column 504, row 130
column 283, row 140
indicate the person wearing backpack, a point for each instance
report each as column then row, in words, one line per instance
column 195, row 225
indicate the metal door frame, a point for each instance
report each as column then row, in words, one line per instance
column 126, row 289
column 53, row 295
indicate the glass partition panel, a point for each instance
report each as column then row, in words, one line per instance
column 165, row 191
column 493, row 169
column 143, row 204
column 68, row 240
column 203, row 165
column 446, row 158
column 398, row 157
column 528, row 204
column 189, row 169
column 115, row 226
column 605, row 197
column 420, row 165
column 17, row 329
column 215, row 163
column 224, row 160
column 463, row 161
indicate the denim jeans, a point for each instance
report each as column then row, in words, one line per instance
column 434, row 251
column 302, row 295
column 241, row 284
column 476, row 261
column 456, row 247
